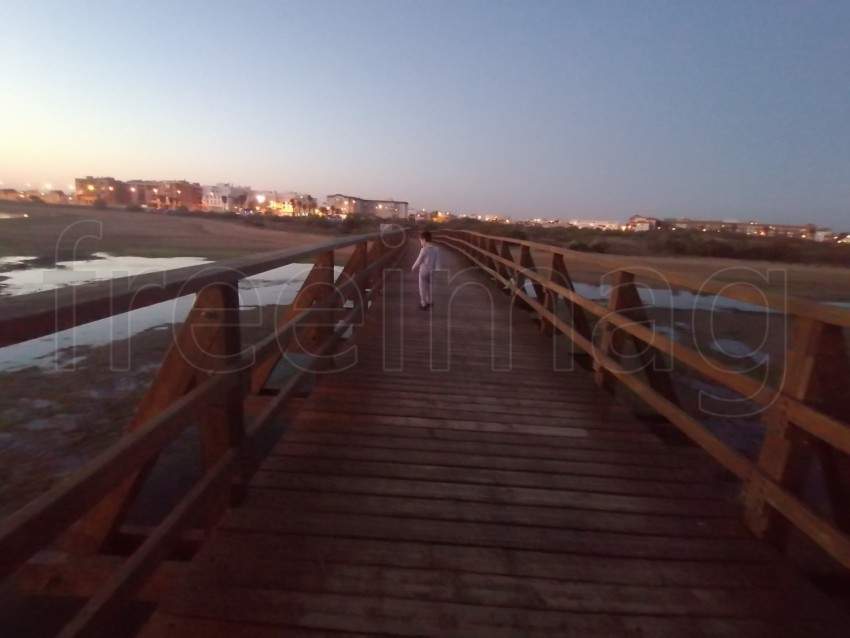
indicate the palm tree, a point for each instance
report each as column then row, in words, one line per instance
column 311, row 204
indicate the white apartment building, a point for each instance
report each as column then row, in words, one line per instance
column 223, row 198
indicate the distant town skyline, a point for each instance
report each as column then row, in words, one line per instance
column 70, row 189
column 734, row 109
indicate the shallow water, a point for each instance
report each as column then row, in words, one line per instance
column 275, row 287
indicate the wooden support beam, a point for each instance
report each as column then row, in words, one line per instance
column 191, row 352
column 611, row 340
column 307, row 338
column 625, row 300
column 782, row 455
column 222, row 423
column 827, row 388
column 561, row 276
column 310, row 290
column 63, row 574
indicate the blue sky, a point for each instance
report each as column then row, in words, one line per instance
column 721, row 109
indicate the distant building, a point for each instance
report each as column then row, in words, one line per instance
column 345, row 204
column 223, row 198
column 108, row 189
column 639, row 223
column 388, row 209
column 385, row 208
column 143, row 192
column 707, row 226
column 54, row 197
column 824, row 234
column 800, row 231
column 174, row 194
column 595, row 223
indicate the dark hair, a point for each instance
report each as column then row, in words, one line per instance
column 426, row 235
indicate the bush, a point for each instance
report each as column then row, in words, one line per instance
column 100, row 204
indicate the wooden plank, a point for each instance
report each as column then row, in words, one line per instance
column 632, row 486
column 490, row 590
column 391, row 439
column 594, row 501
column 318, row 551
column 564, row 517
column 488, row 404
column 603, row 420
column 578, row 428
column 332, row 423
column 472, row 460
column 497, row 535
column 420, row 617
column 171, row 626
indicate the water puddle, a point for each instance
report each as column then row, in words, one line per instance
column 275, row 287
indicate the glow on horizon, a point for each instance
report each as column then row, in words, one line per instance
column 549, row 109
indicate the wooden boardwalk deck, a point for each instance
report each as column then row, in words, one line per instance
column 427, row 491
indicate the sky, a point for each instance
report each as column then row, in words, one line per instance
column 590, row 109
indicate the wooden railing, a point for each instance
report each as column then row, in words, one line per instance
column 208, row 379
column 805, row 416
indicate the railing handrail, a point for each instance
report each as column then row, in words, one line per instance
column 25, row 317
column 790, row 305
column 766, row 482
column 213, row 369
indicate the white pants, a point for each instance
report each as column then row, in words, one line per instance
column 425, row 286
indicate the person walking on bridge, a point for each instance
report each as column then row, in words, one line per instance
column 427, row 262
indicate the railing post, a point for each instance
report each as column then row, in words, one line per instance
column 625, row 301
column 222, row 424
column 611, row 341
column 360, row 258
column 832, row 378
column 783, row 457
column 191, row 354
column 561, row 277
column 318, row 283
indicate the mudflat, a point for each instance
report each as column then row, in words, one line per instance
column 61, row 233
column 55, row 418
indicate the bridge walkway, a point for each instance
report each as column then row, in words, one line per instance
column 441, row 486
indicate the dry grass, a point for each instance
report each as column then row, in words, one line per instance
column 814, row 283
column 59, row 233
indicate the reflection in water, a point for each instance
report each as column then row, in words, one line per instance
column 275, row 287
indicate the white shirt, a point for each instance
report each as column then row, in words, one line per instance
column 428, row 260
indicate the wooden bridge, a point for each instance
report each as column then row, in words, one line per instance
column 447, row 473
